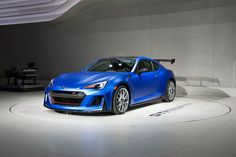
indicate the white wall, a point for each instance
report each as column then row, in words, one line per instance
column 200, row 34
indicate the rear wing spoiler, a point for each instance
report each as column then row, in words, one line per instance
column 172, row 61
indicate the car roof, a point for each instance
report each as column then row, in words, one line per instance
column 132, row 57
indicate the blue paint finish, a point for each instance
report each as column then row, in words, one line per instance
column 143, row 87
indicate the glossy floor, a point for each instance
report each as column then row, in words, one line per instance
column 199, row 124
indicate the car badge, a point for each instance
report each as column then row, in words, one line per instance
column 73, row 93
column 81, row 95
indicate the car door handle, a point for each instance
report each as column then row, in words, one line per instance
column 156, row 76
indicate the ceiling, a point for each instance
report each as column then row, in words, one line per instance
column 30, row 11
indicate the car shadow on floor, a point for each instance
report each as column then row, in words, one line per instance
column 136, row 107
column 145, row 104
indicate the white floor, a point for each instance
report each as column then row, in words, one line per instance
column 202, row 124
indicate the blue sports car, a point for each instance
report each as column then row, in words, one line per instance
column 111, row 84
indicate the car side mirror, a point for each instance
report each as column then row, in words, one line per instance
column 142, row 70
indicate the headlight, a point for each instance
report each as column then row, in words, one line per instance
column 51, row 83
column 99, row 85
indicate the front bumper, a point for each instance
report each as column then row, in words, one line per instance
column 93, row 101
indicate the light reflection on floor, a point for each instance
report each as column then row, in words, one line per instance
column 190, row 126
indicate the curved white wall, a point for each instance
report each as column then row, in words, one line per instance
column 200, row 34
column 30, row 11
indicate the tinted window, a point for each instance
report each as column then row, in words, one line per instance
column 155, row 66
column 101, row 66
column 145, row 64
column 113, row 64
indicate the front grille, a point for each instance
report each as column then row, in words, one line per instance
column 66, row 98
column 67, row 101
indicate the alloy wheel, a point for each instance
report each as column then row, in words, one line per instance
column 171, row 90
column 122, row 100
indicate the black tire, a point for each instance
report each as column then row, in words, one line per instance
column 170, row 95
column 115, row 105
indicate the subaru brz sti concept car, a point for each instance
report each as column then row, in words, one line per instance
column 111, row 84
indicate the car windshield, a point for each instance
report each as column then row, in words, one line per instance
column 113, row 64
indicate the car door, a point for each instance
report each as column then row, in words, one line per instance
column 145, row 82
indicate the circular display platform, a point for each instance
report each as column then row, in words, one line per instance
column 183, row 109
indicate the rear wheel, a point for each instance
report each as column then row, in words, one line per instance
column 170, row 91
column 121, row 100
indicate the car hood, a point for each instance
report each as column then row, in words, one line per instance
column 75, row 80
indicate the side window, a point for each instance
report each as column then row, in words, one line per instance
column 155, row 66
column 145, row 64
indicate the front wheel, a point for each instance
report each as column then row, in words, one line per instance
column 170, row 91
column 121, row 100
